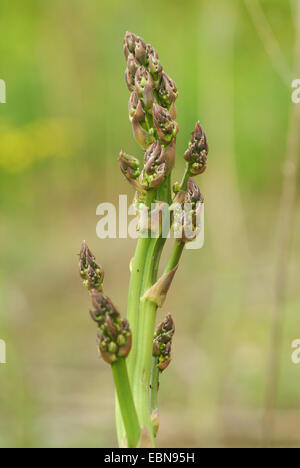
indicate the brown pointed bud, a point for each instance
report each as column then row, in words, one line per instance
column 153, row 157
column 110, row 327
column 129, row 79
column 144, row 85
column 135, row 107
column 132, row 64
column 130, row 167
column 140, row 50
column 168, row 91
column 126, row 51
column 129, row 43
column 104, row 305
column 91, row 273
column 196, row 154
column 158, row 292
column 165, row 326
column 193, row 194
column 162, row 343
column 155, row 166
column 143, row 137
column 166, row 128
column 154, row 65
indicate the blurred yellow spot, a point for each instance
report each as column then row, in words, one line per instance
column 21, row 148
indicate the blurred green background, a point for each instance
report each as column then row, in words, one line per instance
column 61, row 130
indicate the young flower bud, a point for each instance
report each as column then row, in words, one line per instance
column 154, row 65
column 167, row 92
column 97, row 317
column 129, row 43
column 135, row 108
column 143, row 137
column 91, row 273
column 144, row 85
column 140, row 50
column 187, row 223
column 129, row 79
column 196, row 154
column 130, row 167
column 114, row 335
column 193, row 194
column 162, row 342
column 165, row 326
column 104, row 305
column 166, row 128
column 155, row 166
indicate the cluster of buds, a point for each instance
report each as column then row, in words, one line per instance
column 91, row 273
column 162, row 342
column 153, row 93
column 196, row 154
column 154, row 171
column 114, row 334
column 187, row 212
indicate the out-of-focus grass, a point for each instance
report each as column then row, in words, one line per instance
column 63, row 65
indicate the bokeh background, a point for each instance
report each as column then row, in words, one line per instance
column 236, row 302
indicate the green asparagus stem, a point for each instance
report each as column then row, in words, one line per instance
column 175, row 256
column 126, row 402
column 154, row 385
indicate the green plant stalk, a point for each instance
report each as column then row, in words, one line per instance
column 154, row 383
column 135, row 291
column 172, row 263
column 146, row 325
column 142, row 375
column 185, row 179
column 175, row 256
column 126, row 403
